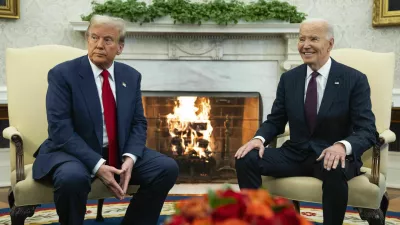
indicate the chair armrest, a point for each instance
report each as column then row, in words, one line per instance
column 285, row 133
column 15, row 137
column 385, row 137
column 11, row 131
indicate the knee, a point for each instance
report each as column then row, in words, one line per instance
column 334, row 175
column 72, row 182
column 250, row 159
column 170, row 171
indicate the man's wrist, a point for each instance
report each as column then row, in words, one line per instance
column 341, row 145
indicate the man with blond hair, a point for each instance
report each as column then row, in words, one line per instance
column 328, row 108
column 97, row 129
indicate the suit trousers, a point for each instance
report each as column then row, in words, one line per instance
column 154, row 172
column 279, row 162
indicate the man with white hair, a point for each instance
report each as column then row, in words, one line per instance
column 328, row 108
column 97, row 129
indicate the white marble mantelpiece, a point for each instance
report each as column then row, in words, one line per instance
column 164, row 40
column 166, row 27
column 246, row 57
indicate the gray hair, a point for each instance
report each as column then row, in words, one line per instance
column 329, row 27
column 108, row 20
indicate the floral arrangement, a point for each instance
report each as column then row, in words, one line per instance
column 227, row 207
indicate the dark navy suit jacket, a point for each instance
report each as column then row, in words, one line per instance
column 345, row 113
column 74, row 116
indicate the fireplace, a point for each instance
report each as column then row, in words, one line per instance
column 201, row 130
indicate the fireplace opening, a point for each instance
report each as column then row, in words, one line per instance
column 201, row 130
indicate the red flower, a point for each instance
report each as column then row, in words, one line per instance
column 279, row 201
column 259, row 220
column 287, row 216
column 230, row 210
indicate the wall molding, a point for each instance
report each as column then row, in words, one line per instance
column 3, row 95
column 396, row 97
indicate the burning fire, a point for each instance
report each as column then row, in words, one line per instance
column 190, row 127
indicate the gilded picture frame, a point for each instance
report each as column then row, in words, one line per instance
column 386, row 13
column 9, row 9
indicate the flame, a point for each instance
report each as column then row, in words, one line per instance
column 190, row 126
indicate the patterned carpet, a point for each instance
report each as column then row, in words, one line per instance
column 113, row 210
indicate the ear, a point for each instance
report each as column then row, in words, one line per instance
column 120, row 48
column 331, row 43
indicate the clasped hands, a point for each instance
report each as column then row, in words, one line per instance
column 331, row 155
column 106, row 175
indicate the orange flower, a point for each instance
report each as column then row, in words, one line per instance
column 203, row 221
column 232, row 221
column 193, row 208
column 257, row 209
column 259, row 195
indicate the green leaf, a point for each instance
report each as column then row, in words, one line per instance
column 184, row 11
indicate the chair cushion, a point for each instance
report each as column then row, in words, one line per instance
column 362, row 193
column 31, row 192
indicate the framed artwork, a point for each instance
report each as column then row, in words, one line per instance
column 9, row 9
column 386, row 13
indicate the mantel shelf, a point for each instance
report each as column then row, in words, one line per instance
column 206, row 28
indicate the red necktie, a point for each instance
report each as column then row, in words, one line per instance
column 310, row 105
column 110, row 118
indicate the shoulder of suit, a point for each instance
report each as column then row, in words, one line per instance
column 69, row 64
column 301, row 69
column 349, row 71
column 126, row 68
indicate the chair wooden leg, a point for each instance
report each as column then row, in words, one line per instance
column 99, row 217
column 18, row 214
column 385, row 204
column 376, row 216
column 296, row 205
column 372, row 216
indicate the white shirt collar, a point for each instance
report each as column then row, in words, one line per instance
column 97, row 71
column 324, row 70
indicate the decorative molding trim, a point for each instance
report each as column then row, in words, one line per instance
column 3, row 95
column 168, row 28
column 396, row 97
column 293, row 58
column 204, row 36
column 195, row 48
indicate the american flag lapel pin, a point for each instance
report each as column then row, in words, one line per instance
column 123, row 84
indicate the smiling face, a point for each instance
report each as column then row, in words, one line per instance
column 313, row 45
column 103, row 45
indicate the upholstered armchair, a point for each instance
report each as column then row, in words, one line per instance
column 26, row 71
column 367, row 192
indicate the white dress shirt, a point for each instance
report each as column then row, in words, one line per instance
column 99, row 83
column 321, row 84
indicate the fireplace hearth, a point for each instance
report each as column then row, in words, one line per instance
column 201, row 130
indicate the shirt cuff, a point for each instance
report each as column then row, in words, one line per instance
column 347, row 146
column 261, row 138
column 96, row 168
column 133, row 157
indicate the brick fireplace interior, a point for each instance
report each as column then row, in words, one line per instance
column 202, row 131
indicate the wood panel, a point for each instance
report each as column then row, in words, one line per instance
column 3, row 112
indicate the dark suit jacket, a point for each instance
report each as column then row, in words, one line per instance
column 344, row 114
column 75, row 125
